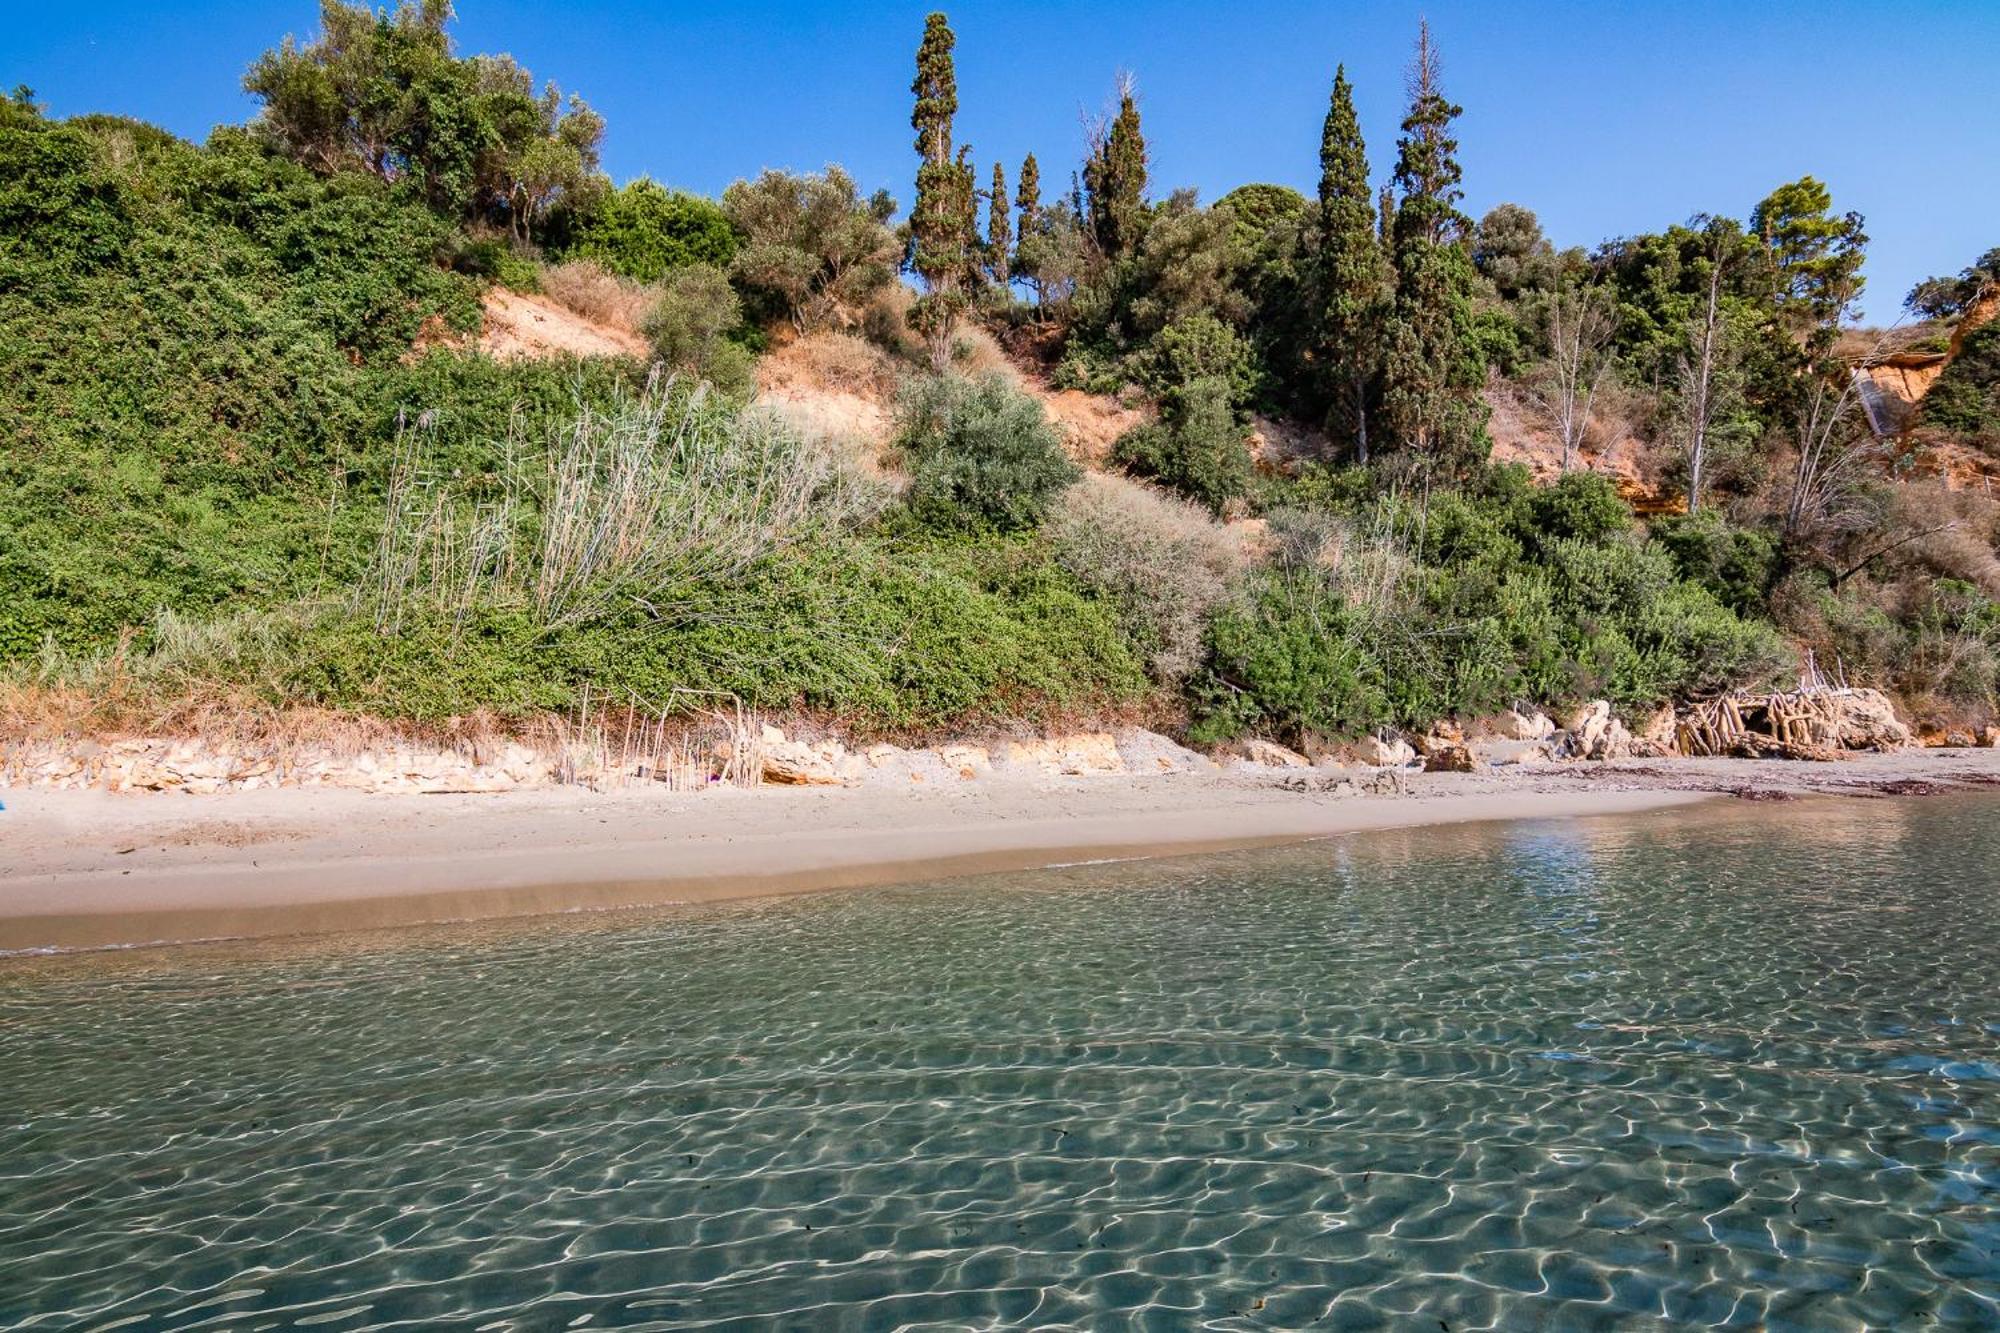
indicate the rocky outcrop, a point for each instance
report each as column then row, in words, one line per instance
column 1272, row 755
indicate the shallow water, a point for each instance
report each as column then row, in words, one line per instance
column 1733, row 1066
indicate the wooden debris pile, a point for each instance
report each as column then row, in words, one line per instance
column 1818, row 722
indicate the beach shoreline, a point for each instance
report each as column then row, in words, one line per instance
column 88, row 870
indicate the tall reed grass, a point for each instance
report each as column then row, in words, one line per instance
column 667, row 492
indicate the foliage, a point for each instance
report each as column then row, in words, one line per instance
column 1383, row 609
column 1114, row 180
column 645, row 231
column 690, row 326
column 384, row 94
column 1197, row 447
column 980, row 453
column 1352, row 276
column 1946, row 298
column 1162, row 562
column 1812, row 258
column 813, row 249
column 944, row 222
column 1966, row 396
column 1430, row 398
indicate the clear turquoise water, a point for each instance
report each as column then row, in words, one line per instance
column 1734, row 1067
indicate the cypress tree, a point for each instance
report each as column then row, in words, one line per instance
column 1028, row 195
column 999, row 234
column 1115, row 179
column 944, row 218
column 1432, row 379
column 1352, row 272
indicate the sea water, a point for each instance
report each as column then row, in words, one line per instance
column 1736, row 1066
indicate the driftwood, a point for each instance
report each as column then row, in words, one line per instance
column 1817, row 722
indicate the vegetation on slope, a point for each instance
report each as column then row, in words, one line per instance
column 224, row 469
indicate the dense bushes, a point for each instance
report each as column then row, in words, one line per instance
column 646, row 231
column 1197, row 446
column 1966, row 397
column 980, row 453
column 1383, row 609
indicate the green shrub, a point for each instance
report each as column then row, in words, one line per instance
column 646, row 231
column 690, row 326
column 980, row 454
column 1584, row 506
column 1739, row 565
column 1966, row 397
column 1197, row 447
column 1289, row 661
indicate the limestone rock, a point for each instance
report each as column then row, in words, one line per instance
column 1504, row 752
column 1273, row 755
column 797, row 764
column 968, row 761
column 1378, row 753
column 1448, row 759
column 1149, row 752
column 1516, row 726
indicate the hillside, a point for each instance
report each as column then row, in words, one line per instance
column 288, row 430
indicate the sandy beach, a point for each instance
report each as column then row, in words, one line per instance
column 91, row 869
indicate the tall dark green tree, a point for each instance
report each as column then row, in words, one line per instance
column 1431, row 399
column 1114, row 179
column 944, row 219
column 1028, row 195
column 1351, row 272
column 999, row 230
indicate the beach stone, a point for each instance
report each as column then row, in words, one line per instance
column 1587, row 727
column 1442, row 758
column 1089, row 752
column 1513, row 725
column 1868, row 721
column 797, row 764
column 1273, row 755
column 1990, row 738
column 1503, row 752
column 1378, row 753
column 1443, row 735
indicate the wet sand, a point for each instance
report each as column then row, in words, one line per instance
column 87, row 869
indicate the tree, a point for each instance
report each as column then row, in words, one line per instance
column 1028, row 195
column 813, row 249
column 384, row 94
column 1813, row 260
column 1578, row 322
column 1702, row 372
column 1510, row 252
column 1432, row 381
column 1114, row 179
column 1352, row 273
column 999, row 235
column 943, row 222
column 1947, row 298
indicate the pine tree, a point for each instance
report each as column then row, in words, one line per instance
column 1434, row 372
column 1351, row 270
column 1115, row 180
column 944, row 219
column 999, row 233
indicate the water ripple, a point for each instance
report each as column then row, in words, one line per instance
column 1712, row 1068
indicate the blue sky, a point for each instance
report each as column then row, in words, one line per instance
column 1605, row 118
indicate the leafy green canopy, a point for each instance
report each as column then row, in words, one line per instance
column 383, row 93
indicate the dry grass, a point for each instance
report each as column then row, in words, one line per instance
column 585, row 287
column 844, row 363
column 1165, row 562
column 664, row 492
column 688, row 742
